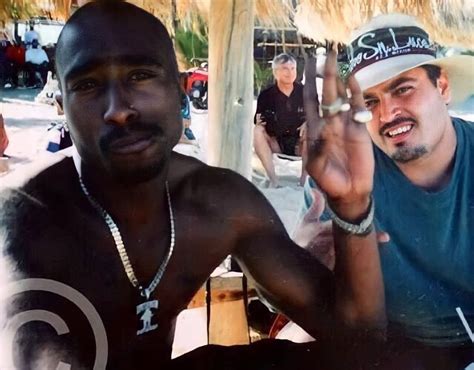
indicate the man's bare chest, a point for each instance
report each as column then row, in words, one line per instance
column 87, row 259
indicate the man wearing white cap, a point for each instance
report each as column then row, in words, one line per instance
column 415, row 183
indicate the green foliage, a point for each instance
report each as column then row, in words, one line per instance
column 192, row 46
column 443, row 51
column 468, row 52
column 262, row 76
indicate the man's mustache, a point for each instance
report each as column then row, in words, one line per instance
column 136, row 129
column 395, row 122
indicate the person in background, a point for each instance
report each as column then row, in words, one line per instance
column 30, row 35
column 59, row 137
column 36, row 62
column 188, row 135
column 15, row 54
column 279, row 119
column 4, row 64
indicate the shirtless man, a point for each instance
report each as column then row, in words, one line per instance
column 127, row 207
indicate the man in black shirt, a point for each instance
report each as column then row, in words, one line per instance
column 279, row 119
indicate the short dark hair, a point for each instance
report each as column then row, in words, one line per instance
column 433, row 72
column 115, row 8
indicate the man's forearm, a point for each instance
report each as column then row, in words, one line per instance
column 360, row 299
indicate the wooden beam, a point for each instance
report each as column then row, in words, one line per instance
column 231, row 84
column 290, row 45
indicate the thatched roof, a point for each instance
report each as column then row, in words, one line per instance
column 449, row 22
column 24, row 9
column 272, row 13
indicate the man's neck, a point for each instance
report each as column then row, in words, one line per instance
column 286, row 89
column 433, row 172
column 131, row 204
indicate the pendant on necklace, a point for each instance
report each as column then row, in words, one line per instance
column 144, row 311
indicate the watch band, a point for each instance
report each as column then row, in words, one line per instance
column 362, row 228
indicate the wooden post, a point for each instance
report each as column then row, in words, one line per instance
column 283, row 40
column 231, row 25
column 228, row 322
column 228, row 319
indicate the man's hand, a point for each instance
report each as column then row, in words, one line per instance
column 341, row 161
column 340, row 157
column 316, row 236
column 259, row 120
column 302, row 130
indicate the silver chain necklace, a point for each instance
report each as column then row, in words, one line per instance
column 143, row 309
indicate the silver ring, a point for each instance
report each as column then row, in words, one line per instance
column 331, row 109
column 362, row 116
column 345, row 107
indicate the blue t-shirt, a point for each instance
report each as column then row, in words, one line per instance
column 428, row 265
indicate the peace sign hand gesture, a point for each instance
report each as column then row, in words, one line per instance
column 340, row 155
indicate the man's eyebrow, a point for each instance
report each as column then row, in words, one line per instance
column 394, row 84
column 128, row 60
column 369, row 96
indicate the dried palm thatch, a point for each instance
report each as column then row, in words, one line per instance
column 274, row 13
column 15, row 9
column 447, row 21
column 190, row 13
column 24, row 9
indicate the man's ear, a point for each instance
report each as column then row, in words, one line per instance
column 443, row 87
column 59, row 100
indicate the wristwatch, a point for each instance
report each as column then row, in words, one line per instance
column 362, row 228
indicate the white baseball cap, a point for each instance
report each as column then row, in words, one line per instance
column 391, row 44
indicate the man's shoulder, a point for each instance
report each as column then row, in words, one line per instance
column 191, row 169
column 464, row 131
column 31, row 211
column 468, row 125
column 298, row 86
column 207, row 184
column 36, row 190
column 268, row 91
